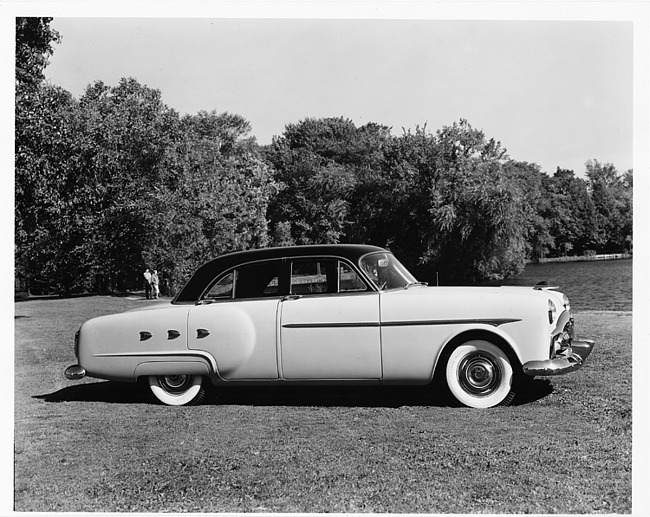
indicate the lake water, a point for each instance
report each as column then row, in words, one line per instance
column 592, row 285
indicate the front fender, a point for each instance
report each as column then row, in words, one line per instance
column 493, row 334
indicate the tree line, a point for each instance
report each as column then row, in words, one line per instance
column 116, row 181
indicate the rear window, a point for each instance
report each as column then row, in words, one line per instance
column 250, row 281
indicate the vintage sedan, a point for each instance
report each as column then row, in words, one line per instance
column 332, row 314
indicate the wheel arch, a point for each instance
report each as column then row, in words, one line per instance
column 468, row 335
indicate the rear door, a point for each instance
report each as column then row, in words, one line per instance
column 236, row 321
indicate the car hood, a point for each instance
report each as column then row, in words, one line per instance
column 463, row 302
column 481, row 291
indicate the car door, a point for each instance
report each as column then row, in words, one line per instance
column 236, row 321
column 329, row 323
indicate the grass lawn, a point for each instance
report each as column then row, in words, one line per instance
column 91, row 445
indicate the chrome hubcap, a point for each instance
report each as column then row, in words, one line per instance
column 175, row 383
column 479, row 374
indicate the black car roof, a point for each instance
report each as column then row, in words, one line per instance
column 209, row 270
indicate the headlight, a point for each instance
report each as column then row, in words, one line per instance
column 552, row 311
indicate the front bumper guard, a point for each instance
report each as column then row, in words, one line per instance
column 572, row 359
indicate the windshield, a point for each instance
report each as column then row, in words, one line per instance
column 386, row 271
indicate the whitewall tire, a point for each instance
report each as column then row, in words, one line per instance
column 177, row 390
column 480, row 375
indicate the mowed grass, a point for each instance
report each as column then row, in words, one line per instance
column 85, row 446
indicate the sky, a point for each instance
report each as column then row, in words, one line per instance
column 555, row 93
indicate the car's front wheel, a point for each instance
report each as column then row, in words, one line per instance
column 480, row 375
column 177, row 390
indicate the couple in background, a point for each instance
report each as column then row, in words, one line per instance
column 151, row 284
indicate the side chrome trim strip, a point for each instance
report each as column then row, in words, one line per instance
column 495, row 322
column 329, row 325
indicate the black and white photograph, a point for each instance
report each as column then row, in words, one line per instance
column 326, row 257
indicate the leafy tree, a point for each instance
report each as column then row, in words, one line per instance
column 478, row 225
column 570, row 213
column 317, row 162
column 461, row 141
column 536, row 204
column 216, row 199
column 627, row 206
column 50, row 227
column 611, row 196
column 227, row 131
column 43, row 118
column 127, row 131
column 445, row 203
column 392, row 201
column 170, row 193
column 34, row 38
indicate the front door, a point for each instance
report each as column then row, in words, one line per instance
column 329, row 323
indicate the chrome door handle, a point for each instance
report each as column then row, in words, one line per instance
column 291, row 297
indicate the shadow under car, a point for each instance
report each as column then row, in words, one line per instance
column 324, row 396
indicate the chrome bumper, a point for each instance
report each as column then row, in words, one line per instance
column 75, row 372
column 572, row 359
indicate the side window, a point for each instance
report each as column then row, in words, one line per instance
column 313, row 276
column 250, row 281
column 349, row 281
column 258, row 280
column 222, row 288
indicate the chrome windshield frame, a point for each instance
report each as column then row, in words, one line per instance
column 385, row 272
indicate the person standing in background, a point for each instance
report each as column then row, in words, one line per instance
column 147, row 283
column 155, row 284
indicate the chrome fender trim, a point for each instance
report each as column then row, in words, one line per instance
column 180, row 355
column 171, row 368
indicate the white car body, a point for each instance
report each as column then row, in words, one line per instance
column 390, row 334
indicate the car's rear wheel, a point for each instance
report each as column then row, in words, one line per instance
column 177, row 390
column 480, row 375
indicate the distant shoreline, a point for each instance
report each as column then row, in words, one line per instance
column 584, row 258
